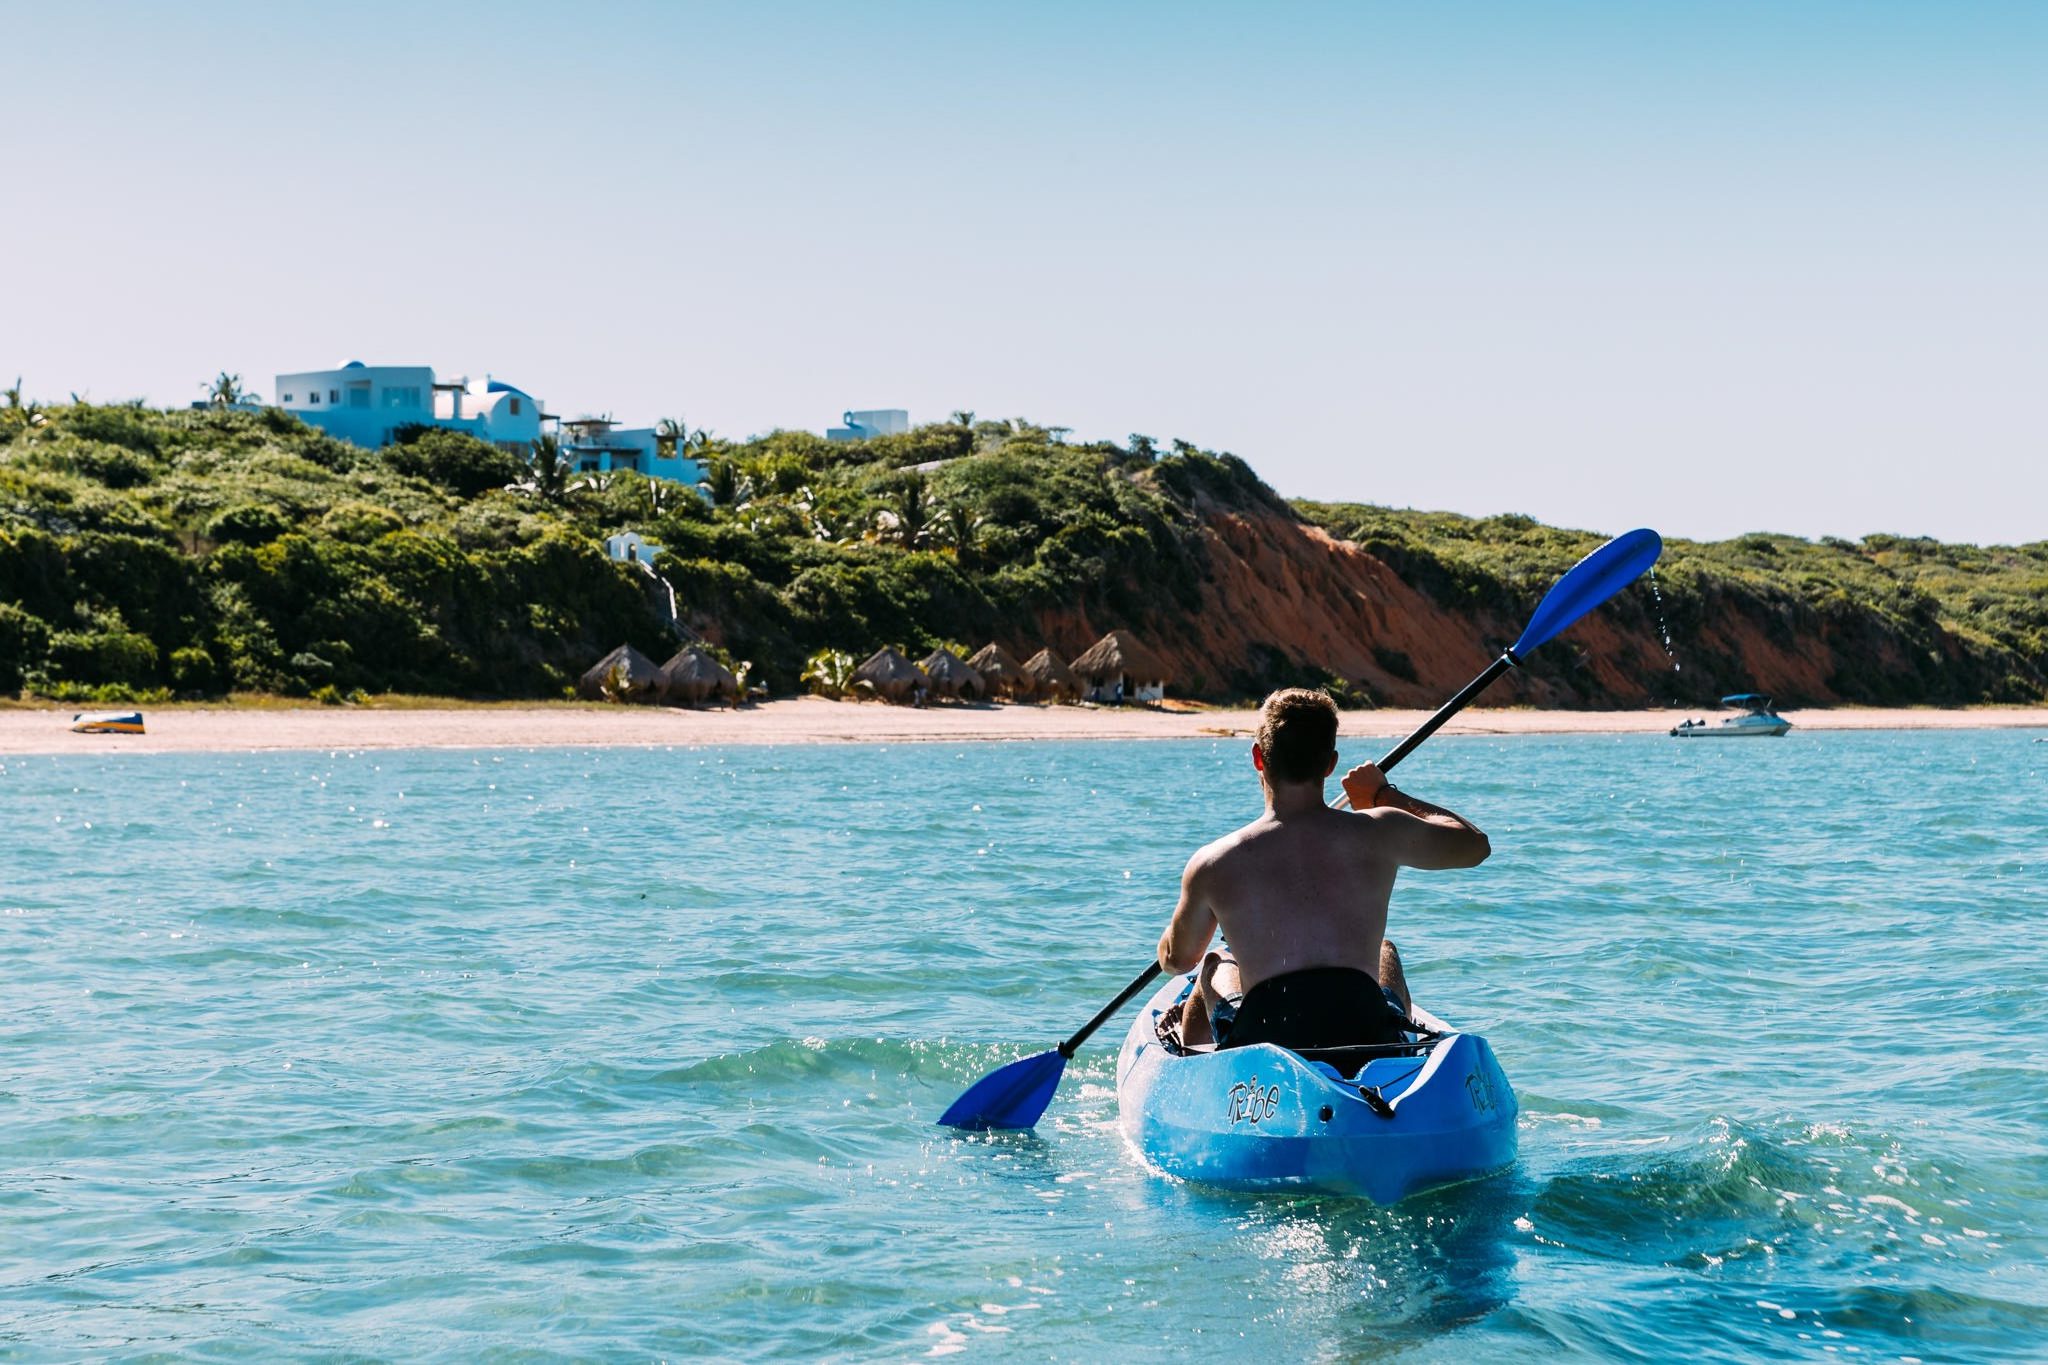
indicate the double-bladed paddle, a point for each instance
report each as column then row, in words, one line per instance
column 1016, row 1095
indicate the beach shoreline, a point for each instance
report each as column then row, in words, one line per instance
column 810, row 720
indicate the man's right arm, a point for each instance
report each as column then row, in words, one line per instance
column 1417, row 833
column 1192, row 926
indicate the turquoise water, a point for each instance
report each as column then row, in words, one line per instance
column 572, row 1053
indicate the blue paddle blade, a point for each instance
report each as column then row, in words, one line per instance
column 1011, row 1097
column 1591, row 581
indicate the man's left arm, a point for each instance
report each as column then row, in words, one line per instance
column 1192, row 926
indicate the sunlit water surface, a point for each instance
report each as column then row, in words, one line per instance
column 409, row 1054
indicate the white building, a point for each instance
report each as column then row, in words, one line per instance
column 874, row 422
column 627, row 547
column 367, row 404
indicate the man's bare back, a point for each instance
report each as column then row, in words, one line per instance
column 1307, row 886
column 1301, row 892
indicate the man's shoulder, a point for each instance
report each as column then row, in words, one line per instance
column 1224, row 849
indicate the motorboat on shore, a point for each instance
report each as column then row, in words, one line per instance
column 108, row 723
column 1757, row 718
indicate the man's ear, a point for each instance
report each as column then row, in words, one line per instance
column 1332, row 764
column 1258, row 757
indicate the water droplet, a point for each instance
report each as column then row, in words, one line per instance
column 1663, row 627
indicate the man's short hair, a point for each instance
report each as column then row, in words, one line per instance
column 1298, row 734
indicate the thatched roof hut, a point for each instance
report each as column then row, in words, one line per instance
column 950, row 676
column 695, row 676
column 1001, row 671
column 625, row 674
column 889, row 675
column 1119, row 668
column 1052, row 679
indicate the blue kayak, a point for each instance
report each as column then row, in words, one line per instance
column 1382, row 1122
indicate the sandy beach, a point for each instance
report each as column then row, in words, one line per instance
column 809, row 720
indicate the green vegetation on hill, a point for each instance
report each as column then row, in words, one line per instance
column 145, row 553
column 203, row 551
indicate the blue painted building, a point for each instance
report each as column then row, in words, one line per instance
column 872, row 422
column 598, row 445
column 368, row 404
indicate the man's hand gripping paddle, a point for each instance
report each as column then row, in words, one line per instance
column 1016, row 1095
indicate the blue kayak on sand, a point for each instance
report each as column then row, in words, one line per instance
column 1382, row 1122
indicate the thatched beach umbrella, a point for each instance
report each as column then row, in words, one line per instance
column 1118, row 668
column 1001, row 671
column 951, row 677
column 1052, row 679
column 625, row 674
column 889, row 675
column 695, row 676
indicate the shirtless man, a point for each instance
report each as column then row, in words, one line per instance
column 1301, row 896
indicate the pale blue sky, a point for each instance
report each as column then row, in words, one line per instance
column 1711, row 267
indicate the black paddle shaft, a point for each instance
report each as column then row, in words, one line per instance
column 1506, row 661
column 1145, row 978
column 1400, row 751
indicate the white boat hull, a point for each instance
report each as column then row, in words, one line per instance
column 1747, row 727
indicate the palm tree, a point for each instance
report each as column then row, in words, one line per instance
column 617, row 684
column 226, row 391
column 910, row 512
column 829, row 673
column 670, row 435
column 963, row 418
column 550, row 479
column 18, row 418
column 958, row 526
column 725, row 485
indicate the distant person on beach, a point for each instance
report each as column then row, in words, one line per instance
column 1301, row 896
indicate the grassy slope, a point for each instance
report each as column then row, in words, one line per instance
column 199, row 553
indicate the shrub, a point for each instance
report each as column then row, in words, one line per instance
column 359, row 523
column 113, row 466
column 1396, row 663
column 311, row 667
column 194, row 670
column 24, row 642
column 248, row 524
column 454, row 460
column 106, row 655
column 101, row 694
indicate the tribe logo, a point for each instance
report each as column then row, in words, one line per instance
column 1250, row 1103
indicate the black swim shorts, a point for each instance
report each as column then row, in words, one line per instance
column 1314, row 1007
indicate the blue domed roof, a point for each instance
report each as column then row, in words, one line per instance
column 353, row 365
column 500, row 386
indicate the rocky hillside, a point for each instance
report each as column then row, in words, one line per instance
column 1402, row 608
